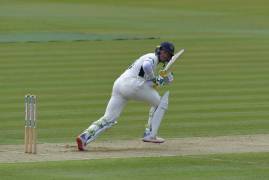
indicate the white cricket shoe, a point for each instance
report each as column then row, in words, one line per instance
column 153, row 139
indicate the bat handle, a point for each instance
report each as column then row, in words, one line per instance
column 163, row 73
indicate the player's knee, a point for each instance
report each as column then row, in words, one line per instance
column 156, row 102
column 159, row 101
column 111, row 117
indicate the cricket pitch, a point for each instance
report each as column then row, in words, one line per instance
column 137, row 148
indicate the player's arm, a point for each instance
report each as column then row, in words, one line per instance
column 152, row 80
column 148, row 69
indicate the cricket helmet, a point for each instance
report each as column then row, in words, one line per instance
column 167, row 46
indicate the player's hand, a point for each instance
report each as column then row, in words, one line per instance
column 169, row 78
column 158, row 81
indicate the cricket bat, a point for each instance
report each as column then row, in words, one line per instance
column 168, row 67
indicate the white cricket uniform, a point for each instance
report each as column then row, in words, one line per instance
column 133, row 84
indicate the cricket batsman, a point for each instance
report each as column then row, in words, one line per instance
column 139, row 82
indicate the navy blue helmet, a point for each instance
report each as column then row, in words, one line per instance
column 167, row 46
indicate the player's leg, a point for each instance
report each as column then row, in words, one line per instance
column 155, row 118
column 137, row 89
column 148, row 126
column 113, row 111
column 147, row 94
column 157, row 111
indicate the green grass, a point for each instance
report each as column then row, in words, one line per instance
column 220, row 86
column 247, row 166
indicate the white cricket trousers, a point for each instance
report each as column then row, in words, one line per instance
column 129, row 88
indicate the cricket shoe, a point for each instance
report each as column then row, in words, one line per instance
column 153, row 139
column 81, row 142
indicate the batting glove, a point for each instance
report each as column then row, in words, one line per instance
column 158, row 81
column 169, row 78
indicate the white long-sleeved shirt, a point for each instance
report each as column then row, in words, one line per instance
column 145, row 67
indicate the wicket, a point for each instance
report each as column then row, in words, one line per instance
column 30, row 135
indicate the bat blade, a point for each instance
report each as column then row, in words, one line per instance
column 174, row 58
